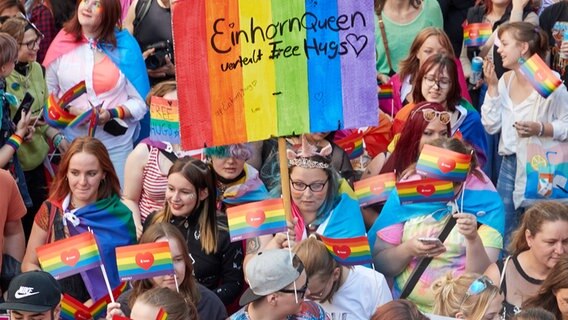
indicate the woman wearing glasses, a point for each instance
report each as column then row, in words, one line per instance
column 27, row 78
column 190, row 206
column 469, row 296
column 437, row 81
column 343, row 292
column 471, row 245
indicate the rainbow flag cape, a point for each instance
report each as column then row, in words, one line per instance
column 349, row 251
column 375, row 189
column 476, row 34
column 162, row 314
column 142, row 261
column 443, row 164
column 286, row 68
column 539, row 75
column 426, row 190
column 352, row 144
column 69, row 256
column 256, row 219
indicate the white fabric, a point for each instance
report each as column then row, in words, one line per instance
column 360, row 295
column 499, row 114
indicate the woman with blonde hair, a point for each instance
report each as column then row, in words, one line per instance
column 352, row 292
column 536, row 247
column 469, row 296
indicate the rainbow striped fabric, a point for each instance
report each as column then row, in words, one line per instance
column 55, row 115
column 385, row 91
column 476, row 34
column 69, row 256
column 162, row 314
column 539, row 75
column 287, row 67
column 352, row 145
column 256, row 219
column 375, row 189
column 72, row 309
column 349, row 251
column 443, row 164
column 426, row 190
column 142, row 261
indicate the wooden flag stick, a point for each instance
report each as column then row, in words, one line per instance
column 284, row 178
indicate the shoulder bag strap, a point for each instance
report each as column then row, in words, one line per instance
column 385, row 43
column 52, row 211
column 503, row 272
column 423, row 264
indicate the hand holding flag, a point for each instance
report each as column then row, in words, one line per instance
column 256, row 219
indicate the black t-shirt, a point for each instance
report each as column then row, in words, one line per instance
column 554, row 21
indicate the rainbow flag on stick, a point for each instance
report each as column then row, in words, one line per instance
column 539, row 75
column 349, row 251
column 56, row 114
column 426, row 190
column 162, row 314
column 69, row 256
column 142, row 261
column 375, row 189
column 72, row 309
column 256, row 219
column 352, row 145
column 476, row 34
column 72, row 94
column 443, row 164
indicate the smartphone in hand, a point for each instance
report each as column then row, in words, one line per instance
column 431, row 240
column 26, row 105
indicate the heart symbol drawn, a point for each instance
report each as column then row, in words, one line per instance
column 70, row 257
column 426, row 190
column 342, row 251
column 378, row 188
column 319, row 96
column 357, row 42
column 255, row 218
column 144, row 260
column 446, row 165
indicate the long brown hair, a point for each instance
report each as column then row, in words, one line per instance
column 533, row 219
column 110, row 19
column 200, row 176
column 109, row 186
column 398, row 310
column 171, row 302
column 546, row 298
column 535, row 37
column 188, row 287
column 7, row 4
column 443, row 62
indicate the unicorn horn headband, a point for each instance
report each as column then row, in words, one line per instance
column 301, row 157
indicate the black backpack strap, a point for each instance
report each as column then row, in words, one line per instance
column 142, row 8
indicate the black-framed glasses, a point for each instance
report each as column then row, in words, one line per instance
column 476, row 287
column 442, row 83
column 301, row 292
column 32, row 43
column 315, row 187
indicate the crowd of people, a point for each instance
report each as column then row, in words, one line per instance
column 497, row 250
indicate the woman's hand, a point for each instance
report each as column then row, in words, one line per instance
column 383, row 78
column 113, row 309
column 104, row 117
column 520, row 4
column 23, row 126
column 527, row 129
column 467, row 225
column 489, row 73
column 420, row 248
column 282, row 240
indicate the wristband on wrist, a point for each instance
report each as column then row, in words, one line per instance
column 117, row 112
column 541, row 129
column 57, row 138
column 15, row 141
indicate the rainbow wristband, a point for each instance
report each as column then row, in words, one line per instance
column 15, row 141
column 117, row 112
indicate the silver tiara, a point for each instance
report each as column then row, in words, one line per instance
column 307, row 163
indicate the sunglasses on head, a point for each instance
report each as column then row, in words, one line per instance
column 430, row 114
column 476, row 287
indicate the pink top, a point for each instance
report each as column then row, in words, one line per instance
column 105, row 75
column 154, row 184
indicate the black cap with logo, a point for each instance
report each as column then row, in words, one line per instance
column 33, row 291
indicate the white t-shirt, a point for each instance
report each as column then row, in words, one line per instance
column 360, row 295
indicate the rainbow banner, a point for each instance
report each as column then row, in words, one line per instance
column 252, row 70
column 349, row 251
column 476, row 34
column 539, row 75
column 426, row 190
column 56, row 114
column 375, row 189
column 443, row 164
column 69, row 256
column 352, row 144
column 162, row 315
column 142, row 261
column 164, row 120
column 256, row 218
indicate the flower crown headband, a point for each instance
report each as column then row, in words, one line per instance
column 301, row 157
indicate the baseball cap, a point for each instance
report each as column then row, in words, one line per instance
column 270, row 271
column 33, row 291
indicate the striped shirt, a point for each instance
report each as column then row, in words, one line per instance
column 154, row 184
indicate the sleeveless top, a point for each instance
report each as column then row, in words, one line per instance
column 154, row 185
column 510, row 309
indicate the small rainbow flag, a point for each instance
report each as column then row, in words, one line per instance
column 385, row 91
column 539, row 75
column 443, row 164
column 476, row 34
column 56, row 116
column 426, row 190
column 98, row 309
column 72, row 94
column 72, row 309
column 375, row 189
column 162, row 314
column 349, row 251
column 69, row 256
column 80, row 119
column 256, row 219
column 352, row 145
column 142, row 261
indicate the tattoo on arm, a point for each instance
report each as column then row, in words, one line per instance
column 253, row 245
